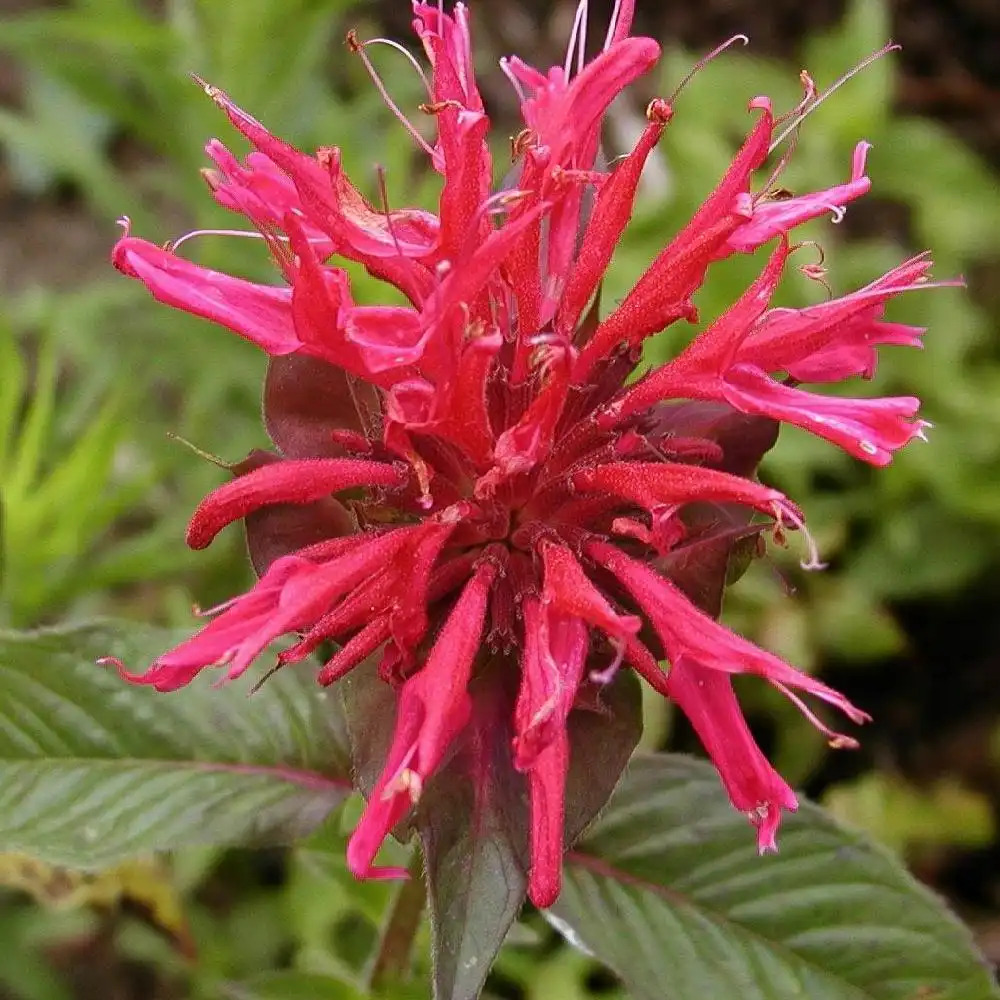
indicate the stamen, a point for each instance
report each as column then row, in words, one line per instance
column 783, row 511
column 816, row 271
column 616, row 14
column 216, row 609
column 223, row 101
column 607, row 675
column 358, row 48
column 113, row 661
column 577, row 35
column 410, row 57
column 174, row 245
column 405, row 779
column 384, row 196
column 207, row 455
column 767, row 191
column 498, row 203
column 125, row 222
column 704, row 61
column 515, row 83
column 837, row 741
column 805, row 112
column 259, row 683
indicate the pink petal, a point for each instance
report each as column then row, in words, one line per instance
column 555, row 650
column 386, row 337
column 611, row 213
column 662, row 295
column 753, row 785
column 868, row 429
column 689, row 634
column 260, row 313
column 773, row 218
column 433, row 708
column 649, row 484
column 568, row 589
column 296, row 481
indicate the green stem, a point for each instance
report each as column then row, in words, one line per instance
column 393, row 957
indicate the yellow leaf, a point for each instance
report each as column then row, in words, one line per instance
column 143, row 882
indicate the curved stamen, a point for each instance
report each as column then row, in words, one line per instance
column 817, row 270
column 358, row 48
column 409, row 56
column 249, row 234
column 704, row 61
column 783, row 512
column 837, row 741
column 504, row 64
column 608, row 673
column 805, row 112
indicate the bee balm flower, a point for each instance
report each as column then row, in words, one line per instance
column 471, row 476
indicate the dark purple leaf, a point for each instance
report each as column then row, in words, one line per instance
column 744, row 439
column 721, row 542
column 305, row 399
column 473, row 816
column 473, row 825
column 602, row 738
column 278, row 529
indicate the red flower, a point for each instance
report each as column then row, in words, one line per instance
column 469, row 475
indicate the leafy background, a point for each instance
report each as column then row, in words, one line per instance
column 98, row 117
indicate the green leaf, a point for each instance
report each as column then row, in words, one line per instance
column 667, row 889
column 93, row 769
column 291, row 986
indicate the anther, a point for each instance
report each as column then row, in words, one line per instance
column 659, row 110
column 523, row 141
column 504, row 64
column 436, row 107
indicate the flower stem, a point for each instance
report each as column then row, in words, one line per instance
column 393, row 958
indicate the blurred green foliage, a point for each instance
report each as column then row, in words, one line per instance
column 93, row 378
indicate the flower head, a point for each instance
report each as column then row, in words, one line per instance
column 472, row 476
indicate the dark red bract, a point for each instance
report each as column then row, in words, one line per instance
column 471, row 474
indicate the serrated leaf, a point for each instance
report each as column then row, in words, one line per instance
column 667, row 889
column 93, row 769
